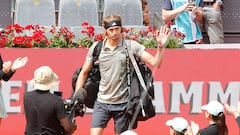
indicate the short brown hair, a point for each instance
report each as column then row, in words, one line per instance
column 110, row 18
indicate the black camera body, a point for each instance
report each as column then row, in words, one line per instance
column 72, row 108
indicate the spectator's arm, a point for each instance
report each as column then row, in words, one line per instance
column 168, row 15
column 7, row 76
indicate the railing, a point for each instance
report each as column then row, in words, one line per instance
column 230, row 16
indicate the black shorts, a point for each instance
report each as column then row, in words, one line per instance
column 104, row 112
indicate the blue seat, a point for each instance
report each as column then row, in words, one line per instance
column 129, row 10
column 41, row 12
column 74, row 12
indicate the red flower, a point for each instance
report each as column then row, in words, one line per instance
column 19, row 40
column 29, row 44
column 29, row 27
column 38, row 36
column 98, row 37
column 85, row 24
column 9, row 28
column 18, row 28
column 150, row 29
column 3, row 41
column 169, row 24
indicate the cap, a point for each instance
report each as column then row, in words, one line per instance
column 178, row 124
column 213, row 107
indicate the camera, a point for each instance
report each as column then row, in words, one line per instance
column 72, row 108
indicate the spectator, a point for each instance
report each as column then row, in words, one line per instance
column 113, row 93
column 214, row 113
column 178, row 126
column 44, row 111
column 7, row 69
column 184, row 15
column 146, row 13
column 234, row 111
column 213, row 21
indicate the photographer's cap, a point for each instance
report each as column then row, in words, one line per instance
column 178, row 124
column 213, row 107
column 44, row 78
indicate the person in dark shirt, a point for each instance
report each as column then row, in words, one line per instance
column 234, row 111
column 44, row 111
column 214, row 113
column 7, row 69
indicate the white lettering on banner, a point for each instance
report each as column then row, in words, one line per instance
column 178, row 94
column 193, row 95
column 159, row 97
column 9, row 97
column 230, row 93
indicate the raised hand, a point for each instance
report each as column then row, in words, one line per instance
column 162, row 36
column 19, row 62
column 232, row 110
column 194, row 127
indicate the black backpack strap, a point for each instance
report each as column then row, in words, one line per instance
column 96, row 53
column 97, row 50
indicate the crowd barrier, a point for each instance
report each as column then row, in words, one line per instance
column 187, row 79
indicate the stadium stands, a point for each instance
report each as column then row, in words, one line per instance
column 5, row 13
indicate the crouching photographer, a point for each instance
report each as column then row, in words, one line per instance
column 44, row 111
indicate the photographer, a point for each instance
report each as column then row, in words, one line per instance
column 44, row 111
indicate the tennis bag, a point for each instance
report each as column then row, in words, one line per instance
column 140, row 107
column 92, row 82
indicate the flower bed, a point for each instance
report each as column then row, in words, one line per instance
column 43, row 37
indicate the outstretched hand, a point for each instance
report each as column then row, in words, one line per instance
column 232, row 110
column 19, row 63
column 162, row 36
column 194, row 127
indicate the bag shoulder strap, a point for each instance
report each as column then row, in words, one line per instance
column 137, row 70
column 97, row 50
column 135, row 65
